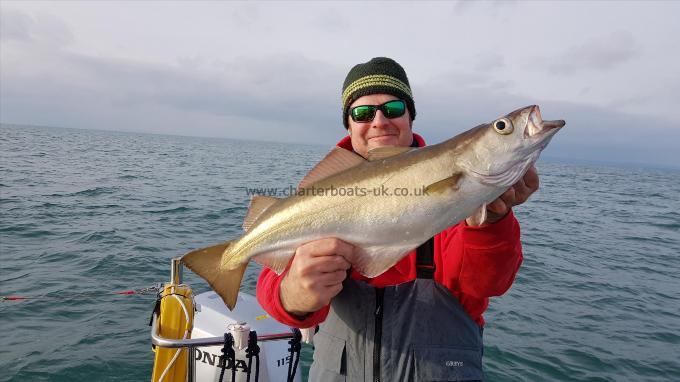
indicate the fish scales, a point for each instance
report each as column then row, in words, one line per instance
column 444, row 183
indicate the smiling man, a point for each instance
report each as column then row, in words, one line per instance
column 422, row 318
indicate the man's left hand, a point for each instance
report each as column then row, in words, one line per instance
column 515, row 195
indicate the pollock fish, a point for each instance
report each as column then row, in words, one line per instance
column 386, row 205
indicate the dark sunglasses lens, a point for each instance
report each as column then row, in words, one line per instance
column 363, row 113
column 394, row 109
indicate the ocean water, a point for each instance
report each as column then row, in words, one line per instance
column 86, row 213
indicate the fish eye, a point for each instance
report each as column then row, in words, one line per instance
column 503, row 126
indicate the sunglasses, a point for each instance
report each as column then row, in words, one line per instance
column 366, row 113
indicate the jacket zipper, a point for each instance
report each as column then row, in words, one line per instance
column 379, row 295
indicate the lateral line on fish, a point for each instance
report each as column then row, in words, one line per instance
column 285, row 224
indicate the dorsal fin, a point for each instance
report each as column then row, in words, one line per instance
column 335, row 161
column 386, row 152
column 258, row 204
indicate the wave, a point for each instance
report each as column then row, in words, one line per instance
column 173, row 210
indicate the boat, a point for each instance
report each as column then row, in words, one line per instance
column 197, row 338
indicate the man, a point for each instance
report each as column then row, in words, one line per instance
column 422, row 318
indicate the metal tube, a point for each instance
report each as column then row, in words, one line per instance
column 157, row 340
column 191, row 360
column 176, row 271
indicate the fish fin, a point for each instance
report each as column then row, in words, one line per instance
column 258, row 204
column 334, row 162
column 479, row 216
column 386, row 152
column 276, row 260
column 207, row 263
column 450, row 183
column 372, row 262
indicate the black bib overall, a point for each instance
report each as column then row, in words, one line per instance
column 415, row 331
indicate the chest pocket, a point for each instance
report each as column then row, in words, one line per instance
column 330, row 359
column 447, row 364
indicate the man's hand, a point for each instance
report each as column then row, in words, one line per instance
column 315, row 275
column 515, row 195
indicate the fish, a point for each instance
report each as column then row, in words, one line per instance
column 386, row 205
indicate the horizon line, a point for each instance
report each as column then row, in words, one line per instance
column 549, row 157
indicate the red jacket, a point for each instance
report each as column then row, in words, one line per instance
column 474, row 263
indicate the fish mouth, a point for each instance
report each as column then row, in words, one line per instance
column 537, row 127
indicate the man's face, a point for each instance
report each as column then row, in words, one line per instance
column 381, row 131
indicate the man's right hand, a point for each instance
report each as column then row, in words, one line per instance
column 315, row 275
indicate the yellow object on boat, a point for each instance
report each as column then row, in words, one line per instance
column 175, row 321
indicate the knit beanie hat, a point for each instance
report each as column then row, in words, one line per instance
column 379, row 75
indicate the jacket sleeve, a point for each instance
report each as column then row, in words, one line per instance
column 268, row 288
column 491, row 257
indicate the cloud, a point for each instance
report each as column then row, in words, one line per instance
column 332, row 21
column 245, row 14
column 601, row 54
column 487, row 62
column 490, row 6
column 460, row 101
column 665, row 99
column 44, row 84
column 293, row 97
column 15, row 25
column 42, row 28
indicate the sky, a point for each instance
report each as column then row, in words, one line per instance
column 274, row 70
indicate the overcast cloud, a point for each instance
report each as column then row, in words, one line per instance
column 274, row 70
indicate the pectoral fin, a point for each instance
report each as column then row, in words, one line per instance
column 479, row 216
column 444, row 185
column 207, row 263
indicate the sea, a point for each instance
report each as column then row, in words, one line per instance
column 86, row 213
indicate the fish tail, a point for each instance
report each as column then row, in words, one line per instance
column 207, row 263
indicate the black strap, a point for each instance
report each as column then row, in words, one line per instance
column 295, row 346
column 229, row 357
column 425, row 260
column 253, row 350
column 157, row 306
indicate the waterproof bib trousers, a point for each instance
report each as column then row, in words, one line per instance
column 415, row 331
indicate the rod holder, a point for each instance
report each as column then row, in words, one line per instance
column 176, row 271
column 163, row 342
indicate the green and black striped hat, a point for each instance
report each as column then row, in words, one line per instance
column 380, row 75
